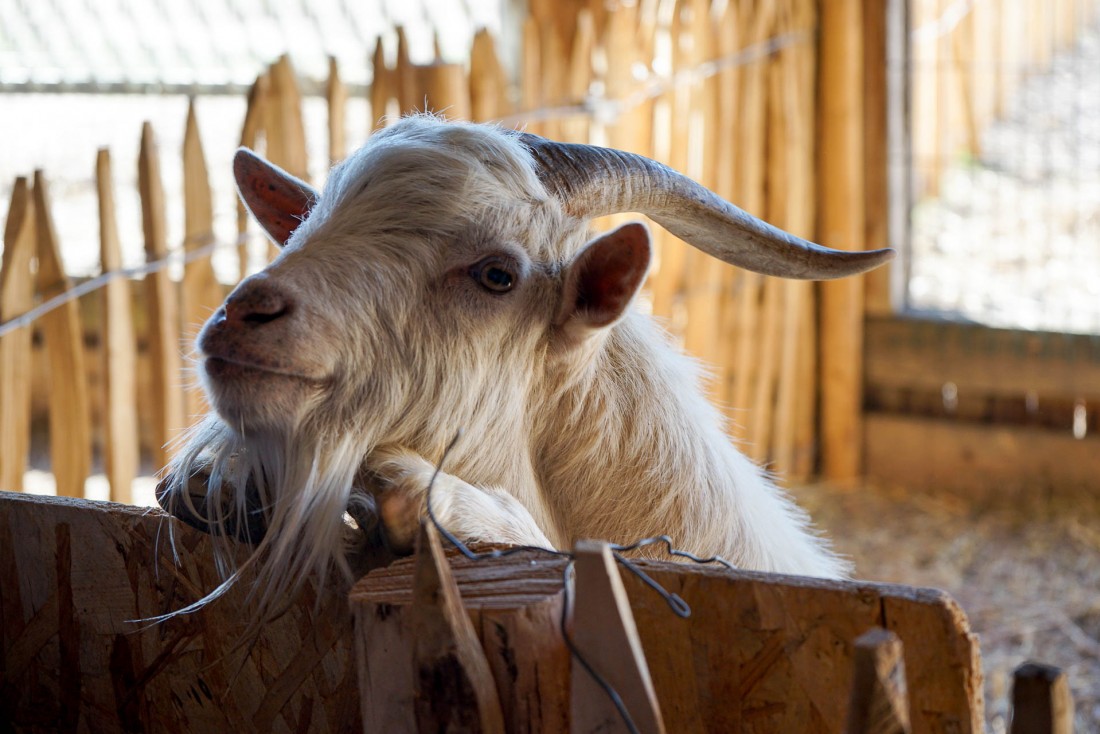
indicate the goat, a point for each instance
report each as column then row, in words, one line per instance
column 445, row 279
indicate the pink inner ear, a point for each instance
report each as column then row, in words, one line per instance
column 278, row 201
column 609, row 273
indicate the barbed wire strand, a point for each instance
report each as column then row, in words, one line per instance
column 675, row 602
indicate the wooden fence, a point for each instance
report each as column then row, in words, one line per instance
column 775, row 104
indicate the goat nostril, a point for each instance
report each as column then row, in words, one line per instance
column 263, row 317
column 256, row 305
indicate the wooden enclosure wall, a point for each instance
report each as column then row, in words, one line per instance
column 775, row 104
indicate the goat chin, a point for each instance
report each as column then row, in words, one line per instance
column 437, row 285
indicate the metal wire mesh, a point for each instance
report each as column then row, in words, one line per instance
column 1005, row 222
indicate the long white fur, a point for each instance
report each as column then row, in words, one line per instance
column 605, row 434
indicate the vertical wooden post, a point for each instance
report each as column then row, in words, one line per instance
column 792, row 394
column 337, row 96
column 575, row 129
column 1041, row 701
column 841, row 223
column 875, row 151
column 381, row 86
column 16, row 298
column 530, row 73
column 254, row 116
column 443, row 88
column 451, row 668
column 879, row 702
column 162, row 302
column 70, row 429
column 121, row 452
column 604, row 632
column 751, row 189
column 488, row 86
column 286, row 135
column 201, row 292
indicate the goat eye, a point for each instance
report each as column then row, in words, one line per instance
column 494, row 276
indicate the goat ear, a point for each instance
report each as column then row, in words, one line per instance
column 603, row 279
column 278, row 201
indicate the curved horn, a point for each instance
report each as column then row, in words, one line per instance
column 593, row 182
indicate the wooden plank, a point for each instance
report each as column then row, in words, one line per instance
column 454, row 688
column 70, row 427
column 86, row 577
column 1041, row 700
column 16, row 298
column 381, row 86
column 254, row 120
column 162, row 302
column 876, row 153
column 201, row 294
column 443, row 89
column 575, row 129
column 925, row 355
column 336, row 95
column 880, row 701
column 841, row 224
column 977, row 460
column 604, row 630
column 751, row 196
column 797, row 326
column 488, row 84
column 119, row 351
column 530, row 73
column 286, row 135
column 515, row 604
column 784, row 663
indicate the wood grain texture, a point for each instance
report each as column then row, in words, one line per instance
column 603, row 629
column 201, row 294
column 1041, row 701
column 76, row 580
column 119, row 350
column 16, row 298
column 980, row 460
column 841, row 224
column 453, row 686
column 979, row 360
column 162, row 303
column 760, row 652
column 879, row 703
column 336, row 95
column 70, row 425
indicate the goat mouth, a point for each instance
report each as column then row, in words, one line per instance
column 222, row 368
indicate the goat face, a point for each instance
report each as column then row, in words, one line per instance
column 419, row 289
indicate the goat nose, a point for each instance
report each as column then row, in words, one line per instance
column 255, row 303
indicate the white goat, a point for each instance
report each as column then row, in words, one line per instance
column 444, row 280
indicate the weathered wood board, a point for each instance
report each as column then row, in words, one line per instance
column 760, row 653
column 73, row 576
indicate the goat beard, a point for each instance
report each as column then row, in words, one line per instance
column 300, row 482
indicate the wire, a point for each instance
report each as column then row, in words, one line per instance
column 678, row 606
column 607, row 111
column 88, row 286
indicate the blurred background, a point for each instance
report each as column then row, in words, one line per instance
column 940, row 419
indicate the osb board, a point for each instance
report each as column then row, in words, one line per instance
column 760, row 653
column 73, row 576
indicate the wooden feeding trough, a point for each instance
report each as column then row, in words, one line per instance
column 446, row 643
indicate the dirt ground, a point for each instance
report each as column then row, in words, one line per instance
column 1026, row 572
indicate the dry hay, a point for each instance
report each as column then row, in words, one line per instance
column 1027, row 574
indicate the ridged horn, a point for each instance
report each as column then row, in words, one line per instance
column 592, row 182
